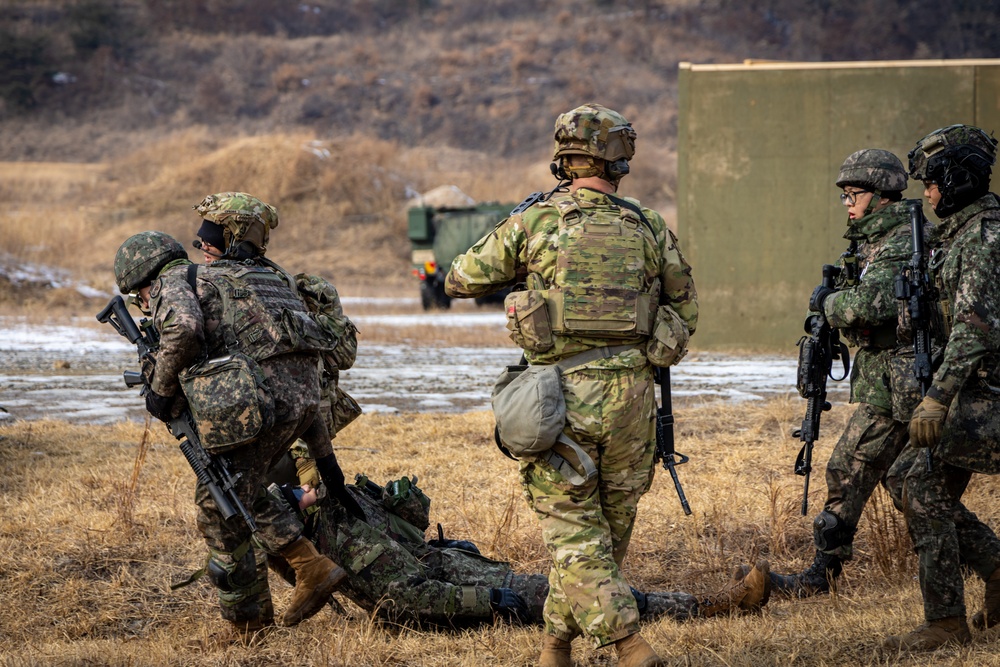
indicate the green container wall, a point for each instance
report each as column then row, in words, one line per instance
column 760, row 146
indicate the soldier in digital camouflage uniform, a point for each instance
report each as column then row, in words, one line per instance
column 864, row 309
column 188, row 307
column 393, row 572
column 236, row 225
column 958, row 418
column 598, row 271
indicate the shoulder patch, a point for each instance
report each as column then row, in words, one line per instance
column 154, row 288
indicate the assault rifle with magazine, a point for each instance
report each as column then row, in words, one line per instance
column 818, row 349
column 211, row 470
column 915, row 291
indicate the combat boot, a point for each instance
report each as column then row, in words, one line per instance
column 932, row 635
column 316, row 577
column 555, row 652
column 990, row 613
column 748, row 591
column 814, row 580
column 633, row 651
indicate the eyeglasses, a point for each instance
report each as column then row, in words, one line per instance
column 851, row 198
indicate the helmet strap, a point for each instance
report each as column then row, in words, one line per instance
column 873, row 202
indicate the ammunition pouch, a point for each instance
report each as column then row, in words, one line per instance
column 406, row 500
column 228, row 399
column 528, row 320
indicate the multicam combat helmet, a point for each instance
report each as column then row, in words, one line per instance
column 873, row 169
column 958, row 158
column 242, row 216
column 141, row 257
column 597, row 132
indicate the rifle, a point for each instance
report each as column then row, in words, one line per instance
column 665, row 435
column 212, row 471
column 818, row 349
column 914, row 288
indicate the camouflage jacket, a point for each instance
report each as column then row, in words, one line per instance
column 867, row 312
column 529, row 242
column 965, row 267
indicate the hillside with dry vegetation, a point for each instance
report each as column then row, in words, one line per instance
column 335, row 111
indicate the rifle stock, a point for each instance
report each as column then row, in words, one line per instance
column 819, row 348
column 212, row 471
column 665, row 435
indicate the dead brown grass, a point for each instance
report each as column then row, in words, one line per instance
column 96, row 522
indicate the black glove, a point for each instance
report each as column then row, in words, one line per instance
column 333, row 478
column 160, row 407
column 508, row 604
column 818, row 297
column 464, row 545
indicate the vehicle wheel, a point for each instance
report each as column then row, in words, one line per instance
column 426, row 298
column 441, row 300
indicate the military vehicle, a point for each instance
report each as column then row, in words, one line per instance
column 439, row 235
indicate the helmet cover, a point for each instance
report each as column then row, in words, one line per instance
column 141, row 257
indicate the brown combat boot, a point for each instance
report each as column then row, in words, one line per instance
column 990, row 614
column 633, row 651
column 316, row 577
column 931, row 635
column 749, row 592
column 555, row 652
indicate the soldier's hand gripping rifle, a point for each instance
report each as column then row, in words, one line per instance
column 915, row 291
column 665, row 435
column 818, row 349
column 210, row 470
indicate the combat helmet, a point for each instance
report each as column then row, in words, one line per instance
column 873, row 169
column 244, row 219
column 597, row 132
column 141, row 258
column 959, row 159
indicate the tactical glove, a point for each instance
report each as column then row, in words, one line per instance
column 818, row 297
column 505, row 602
column 333, row 478
column 925, row 424
column 160, row 407
column 464, row 545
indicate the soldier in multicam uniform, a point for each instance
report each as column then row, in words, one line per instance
column 394, row 573
column 864, row 309
column 194, row 312
column 600, row 272
column 955, row 430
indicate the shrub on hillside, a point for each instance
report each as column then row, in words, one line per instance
column 24, row 63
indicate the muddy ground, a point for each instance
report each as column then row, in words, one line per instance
column 73, row 372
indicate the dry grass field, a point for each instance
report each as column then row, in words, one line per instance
column 96, row 522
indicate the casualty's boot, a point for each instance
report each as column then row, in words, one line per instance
column 815, row 579
column 316, row 577
column 931, row 635
column 555, row 652
column 990, row 614
column 748, row 591
column 633, row 651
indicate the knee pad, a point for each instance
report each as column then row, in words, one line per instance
column 830, row 533
column 230, row 574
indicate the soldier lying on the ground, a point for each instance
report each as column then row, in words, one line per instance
column 393, row 572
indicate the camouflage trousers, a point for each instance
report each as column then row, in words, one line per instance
column 859, row 461
column 946, row 535
column 587, row 528
column 290, row 379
